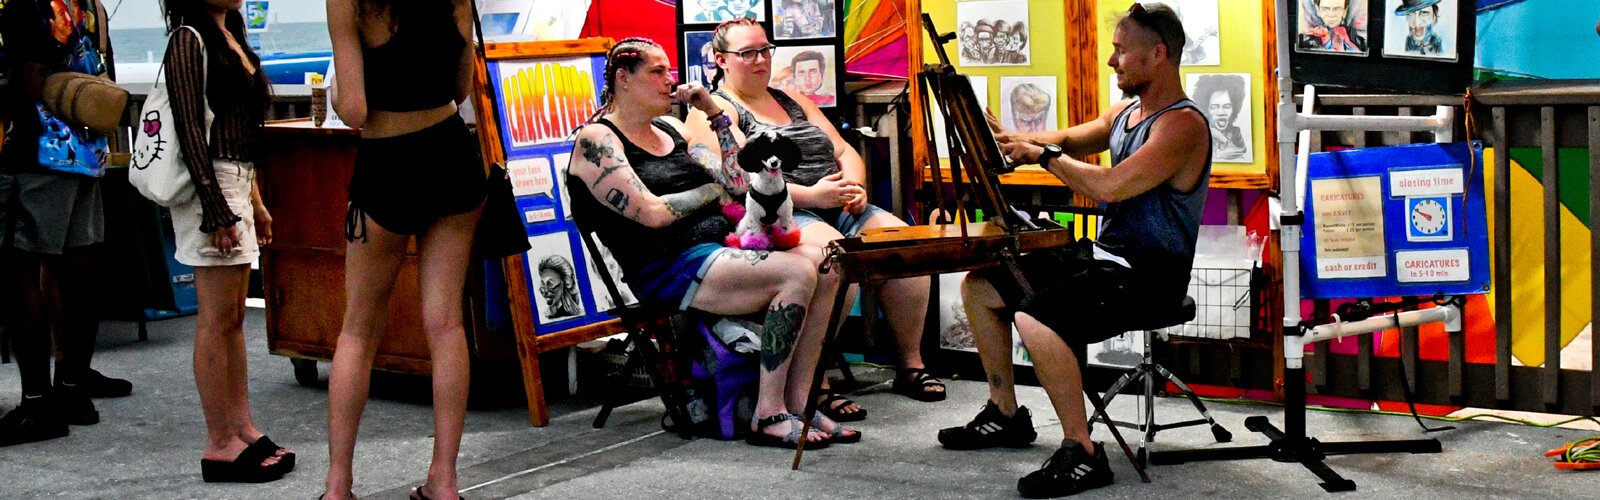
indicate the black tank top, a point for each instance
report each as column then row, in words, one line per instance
column 417, row 68
column 632, row 243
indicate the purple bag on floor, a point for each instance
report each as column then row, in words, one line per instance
column 726, row 381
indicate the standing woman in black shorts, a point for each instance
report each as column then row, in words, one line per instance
column 401, row 68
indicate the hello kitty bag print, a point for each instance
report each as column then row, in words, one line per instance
column 157, row 169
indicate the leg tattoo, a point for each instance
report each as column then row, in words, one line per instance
column 778, row 336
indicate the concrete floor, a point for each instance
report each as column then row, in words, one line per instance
column 147, row 446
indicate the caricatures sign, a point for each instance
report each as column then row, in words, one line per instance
column 1395, row 221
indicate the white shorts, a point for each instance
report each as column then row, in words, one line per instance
column 194, row 247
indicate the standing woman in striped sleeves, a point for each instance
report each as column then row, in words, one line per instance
column 221, row 230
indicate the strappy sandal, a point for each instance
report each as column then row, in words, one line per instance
column 264, row 445
column 245, row 468
column 838, row 436
column 915, row 382
column 832, row 404
column 789, row 441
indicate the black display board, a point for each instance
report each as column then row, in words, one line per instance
column 798, row 30
column 1393, row 59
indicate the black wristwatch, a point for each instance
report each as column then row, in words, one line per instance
column 1051, row 152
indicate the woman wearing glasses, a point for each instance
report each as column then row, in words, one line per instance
column 829, row 200
column 651, row 198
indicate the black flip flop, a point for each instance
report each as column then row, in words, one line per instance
column 417, row 494
column 914, row 383
column 827, row 407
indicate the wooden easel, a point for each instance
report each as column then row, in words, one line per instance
column 529, row 343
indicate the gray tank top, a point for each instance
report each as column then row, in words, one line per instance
column 816, row 148
column 1156, row 230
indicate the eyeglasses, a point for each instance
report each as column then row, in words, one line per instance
column 749, row 55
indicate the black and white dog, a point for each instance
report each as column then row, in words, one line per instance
column 768, row 221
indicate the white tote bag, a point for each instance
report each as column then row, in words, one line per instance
column 157, row 169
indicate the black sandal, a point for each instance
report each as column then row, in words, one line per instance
column 790, row 441
column 835, row 411
column 264, row 445
column 417, row 494
column 245, row 468
column 915, row 382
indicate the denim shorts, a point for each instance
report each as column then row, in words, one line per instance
column 848, row 224
column 675, row 281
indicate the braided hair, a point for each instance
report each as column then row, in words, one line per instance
column 627, row 54
column 719, row 43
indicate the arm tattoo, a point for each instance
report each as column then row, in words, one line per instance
column 779, row 333
column 685, row 203
column 596, row 152
column 617, row 199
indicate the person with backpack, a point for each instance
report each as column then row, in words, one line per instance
column 51, row 217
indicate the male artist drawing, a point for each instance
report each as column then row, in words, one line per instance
column 1160, row 146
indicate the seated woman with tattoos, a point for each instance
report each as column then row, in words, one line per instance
column 648, row 195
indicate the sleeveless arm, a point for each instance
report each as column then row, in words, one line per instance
column 349, row 90
column 184, row 71
column 598, row 162
column 1174, row 155
column 717, row 149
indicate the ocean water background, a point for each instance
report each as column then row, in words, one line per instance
column 136, row 45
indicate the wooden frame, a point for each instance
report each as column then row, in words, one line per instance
column 529, row 343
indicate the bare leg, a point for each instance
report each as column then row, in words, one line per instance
column 446, row 248
column 992, row 334
column 906, row 305
column 79, row 324
column 370, row 268
column 219, row 360
column 1057, row 368
column 813, row 238
column 782, row 284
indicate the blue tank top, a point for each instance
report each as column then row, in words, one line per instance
column 1156, row 230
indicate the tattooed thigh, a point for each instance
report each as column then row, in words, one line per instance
column 752, row 257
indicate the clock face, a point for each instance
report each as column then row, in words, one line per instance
column 1428, row 216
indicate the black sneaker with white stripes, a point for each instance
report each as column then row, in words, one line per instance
column 1070, row 470
column 990, row 429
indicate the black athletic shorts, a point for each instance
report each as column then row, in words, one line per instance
column 405, row 183
column 1083, row 299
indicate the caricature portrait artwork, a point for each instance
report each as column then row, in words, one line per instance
column 1421, row 29
column 698, row 61
column 1225, row 99
column 1332, row 27
column 993, row 33
column 807, row 70
column 555, row 277
column 1028, row 103
column 716, row 11
column 1202, row 36
column 793, row 19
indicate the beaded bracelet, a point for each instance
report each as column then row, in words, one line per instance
column 721, row 121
